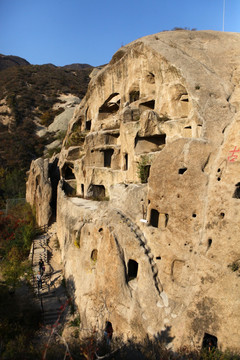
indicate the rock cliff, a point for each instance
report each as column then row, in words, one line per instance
column 148, row 201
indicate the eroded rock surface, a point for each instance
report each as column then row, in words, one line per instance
column 39, row 190
column 154, row 258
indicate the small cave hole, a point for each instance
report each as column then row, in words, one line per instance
column 236, row 194
column 94, row 255
column 158, row 257
column 100, row 230
column 209, row 342
column 182, row 170
column 209, row 243
column 218, row 179
column 184, row 98
column 218, row 170
column 222, row 214
column 166, row 219
column 154, row 217
column 82, row 189
column 194, row 215
column 132, row 269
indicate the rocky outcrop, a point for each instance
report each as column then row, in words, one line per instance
column 39, row 190
column 6, row 116
column 163, row 255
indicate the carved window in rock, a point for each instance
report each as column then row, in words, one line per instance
column 110, row 106
column 96, row 192
column 126, row 161
column 88, row 125
column 82, row 189
column 94, row 255
column 149, row 143
column 184, row 97
column 134, row 96
column 236, row 194
column 132, row 269
column 154, row 218
column 67, row 172
column 147, row 105
column 182, row 170
column 108, row 153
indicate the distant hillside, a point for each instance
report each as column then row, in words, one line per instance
column 32, row 90
column 77, row 66
column 7, row 61
column 29, row 92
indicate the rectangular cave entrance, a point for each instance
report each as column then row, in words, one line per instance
column 154, row 217
column 110, row 106
column 132, row 269
column 149, row 143
column 67, row 172
column 108, row 157
column 96, row 192
column 88, row 125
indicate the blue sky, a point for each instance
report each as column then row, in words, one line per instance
column 75, row 31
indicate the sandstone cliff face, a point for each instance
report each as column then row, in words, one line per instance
column 155, row 257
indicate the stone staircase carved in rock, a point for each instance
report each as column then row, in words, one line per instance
column 134, row 228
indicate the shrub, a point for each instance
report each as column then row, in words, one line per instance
column 143, row 168
column 53, row 151
column 48, row 116
column 76, row 322
column 16, row 234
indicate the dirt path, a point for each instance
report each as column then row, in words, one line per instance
column 52, row 298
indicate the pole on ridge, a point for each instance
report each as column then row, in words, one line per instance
column 223, row 14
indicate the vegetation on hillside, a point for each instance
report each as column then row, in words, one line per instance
column 17, row 230
column 19, row 318
column 17, row 150
column 31, row 91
